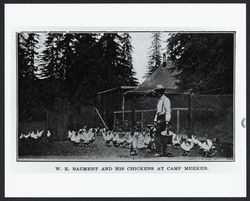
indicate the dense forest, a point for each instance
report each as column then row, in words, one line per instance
column 72, row 68
column 203, row 61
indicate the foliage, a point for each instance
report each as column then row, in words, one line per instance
column 154, row 59
column 27, row 55
column 204, row 62
column 73, row 67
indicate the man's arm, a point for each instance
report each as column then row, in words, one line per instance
column 155, row 119
column 167, row 106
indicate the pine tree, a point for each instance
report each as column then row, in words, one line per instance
column 52, row 56
column 127, row 50
column 68, row 56
column 154, row 60
column 116, row 60
column 84, row 70
column 204, row 62
column 27, row 95
column 27, row 54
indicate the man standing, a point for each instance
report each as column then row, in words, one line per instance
column 161, row 120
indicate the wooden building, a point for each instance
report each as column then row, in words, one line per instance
column 111, row 100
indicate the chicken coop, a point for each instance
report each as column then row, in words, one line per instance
column 109, row 101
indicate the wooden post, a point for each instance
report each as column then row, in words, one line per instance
column 123, row 107
column 114, row 123
column 189, row 115
column 178, row 120
column 141, row 121
column 133, row 121
column 133, row 116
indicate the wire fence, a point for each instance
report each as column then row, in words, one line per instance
column 201, row 115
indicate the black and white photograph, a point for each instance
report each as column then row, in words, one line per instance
column 133, row 100
column 125, row 96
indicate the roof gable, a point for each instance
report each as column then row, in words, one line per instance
column 162, row 75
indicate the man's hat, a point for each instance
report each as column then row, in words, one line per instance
column 159, row 87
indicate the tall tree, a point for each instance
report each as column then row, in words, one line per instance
column 52, row 56
column 27, row 51
column 204, row 62
column 116, row 67
column 27, row 46
column 154, row 59
column 84, row 70
column 127, row 50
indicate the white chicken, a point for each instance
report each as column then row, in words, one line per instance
column 176, row 140
column 48, row 134
column 75, row 137
column 148, row 142
column 108, row 137
column 70, row 133
column 207, row 145
column 39, row 134
column 27, row 136
column 22, row 136
column 89, row 136
column 133, row 143
column 33, row 135
column 208, row 148
column 118, row 141
column 140, row 141
column 186, row 146
column 82, row 133
column 196, row 141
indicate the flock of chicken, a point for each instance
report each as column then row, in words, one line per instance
column 141, row 140
column 135, row 141
column 35, row 135
column 84, row 136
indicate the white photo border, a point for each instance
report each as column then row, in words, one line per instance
column 204, row 17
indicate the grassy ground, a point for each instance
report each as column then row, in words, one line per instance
column 98, row 151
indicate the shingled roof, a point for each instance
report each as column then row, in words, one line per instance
column 162, row 75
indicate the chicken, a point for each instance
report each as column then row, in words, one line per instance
column 96, row 131
column 82, row 133
column 176, row 140
column 147, row 140
column 27, row 136
column 33, row 135
column 107, row 136
column 140, row 141
column 89, row 136
column 39, row 134
column 70, row 133
column 22, row 136
column 48, row 134
column 208, row 148
column 117, row 141
column 75, row 137
column 134, row 144
column 186, row 146
column 103, row 130
column 197, row 143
